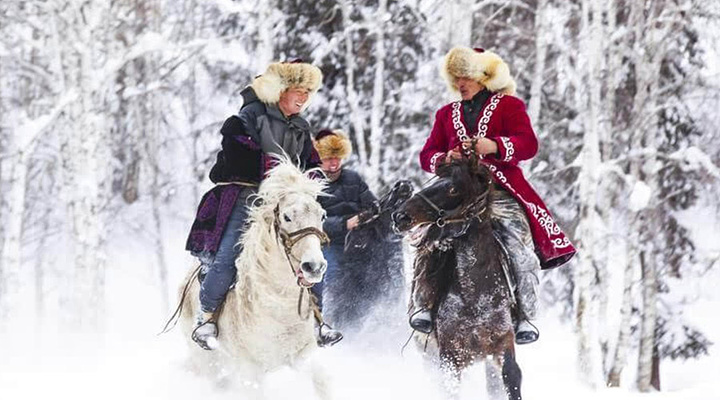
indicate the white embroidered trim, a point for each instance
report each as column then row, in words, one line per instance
column 488, row 113
column 460, row 130
column 433, row 161
column 509, row 148
column 540, row 214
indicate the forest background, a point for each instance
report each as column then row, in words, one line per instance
column 110, row 112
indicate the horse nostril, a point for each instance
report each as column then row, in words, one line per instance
column 310, row 267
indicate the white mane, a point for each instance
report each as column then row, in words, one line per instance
column 255, row 262
column 260, row 327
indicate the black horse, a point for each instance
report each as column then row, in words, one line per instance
column 370, row 281
column 459, row 273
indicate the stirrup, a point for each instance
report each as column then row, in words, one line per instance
column 526, row 332
column 421, row 321
column 205, row 335
column 326, row 336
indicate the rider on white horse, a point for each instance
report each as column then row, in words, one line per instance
column 267, row 125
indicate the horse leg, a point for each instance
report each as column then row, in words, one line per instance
column 494, row 378
column 310, row 364
column 512, row 376
column 451, row 373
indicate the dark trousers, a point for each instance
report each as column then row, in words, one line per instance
column 219, row 268
column 333, row 255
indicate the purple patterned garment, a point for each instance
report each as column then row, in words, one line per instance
column 212, row 216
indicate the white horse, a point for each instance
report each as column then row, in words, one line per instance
column 266, row 322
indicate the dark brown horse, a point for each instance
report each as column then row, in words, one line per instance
column 459, row 273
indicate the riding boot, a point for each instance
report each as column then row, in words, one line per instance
column 511, row 225
column 425, row 291
column 325, row 335
column 421, row 320
column 205, row 331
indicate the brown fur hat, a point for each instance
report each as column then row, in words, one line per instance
column 332, row 143
column 483, row 66
column 281, row 76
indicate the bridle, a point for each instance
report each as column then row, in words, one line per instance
column 473, row 210
column 290, row 239
column 380, row 205
column 476, row 210
column 466, row 215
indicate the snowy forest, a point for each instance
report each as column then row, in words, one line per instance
column 110, row 112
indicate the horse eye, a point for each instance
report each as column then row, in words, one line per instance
column 453, row 191
column 323, row 218
column 287, row 219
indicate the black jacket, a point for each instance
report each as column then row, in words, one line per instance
column 347, row 196
column 241, row 158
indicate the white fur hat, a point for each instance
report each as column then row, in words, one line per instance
column 281, row 76
column 482, row 66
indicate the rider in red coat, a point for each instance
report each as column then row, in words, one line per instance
column 503, row 136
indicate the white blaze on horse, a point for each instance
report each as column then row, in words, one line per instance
column 266, row 322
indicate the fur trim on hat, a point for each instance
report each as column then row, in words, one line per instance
column 282, row 76
column 336, row 144
column 484, row 67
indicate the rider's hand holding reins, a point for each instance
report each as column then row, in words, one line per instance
column 454, row 154
column 352, row 223
column 483, row 146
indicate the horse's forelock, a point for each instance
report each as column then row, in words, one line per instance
column 286, row 178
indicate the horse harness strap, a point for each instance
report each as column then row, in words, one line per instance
column 465, row 215
column 288, row 240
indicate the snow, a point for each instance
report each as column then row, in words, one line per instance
column 137, row 364
column 640, row 196
column 132, row 361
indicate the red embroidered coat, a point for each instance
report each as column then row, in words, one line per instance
column 505, row 121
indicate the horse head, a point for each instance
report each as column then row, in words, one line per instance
column 401, row 191
column 376, row 223
column 446, row 207
column 298, row 224
column 287, row 202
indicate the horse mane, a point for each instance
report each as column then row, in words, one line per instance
column 259, row 239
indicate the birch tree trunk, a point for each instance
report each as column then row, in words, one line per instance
column 4, row 133
column 458, row 21
column 265, row 53
column 15, row 167
column 84, row 156
column 647, row 326
column 648, row 55
column 356, row 111
column 586, row 311
column 378, row 109
column 538, row 77
column 622, row 345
